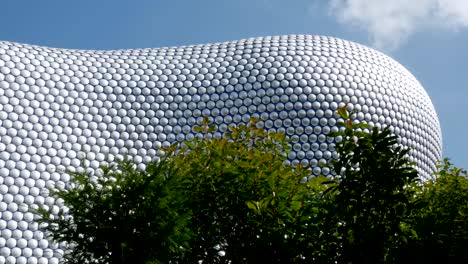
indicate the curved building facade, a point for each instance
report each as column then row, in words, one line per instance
column 58, row 106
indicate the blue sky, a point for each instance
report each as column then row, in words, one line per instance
column 429, row 37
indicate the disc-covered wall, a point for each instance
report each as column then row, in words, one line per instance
column 58, row 106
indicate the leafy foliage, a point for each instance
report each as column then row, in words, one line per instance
column 372, row 194
column 234, row 199
column 122, row 216
column 246, row 204
column 442, row 224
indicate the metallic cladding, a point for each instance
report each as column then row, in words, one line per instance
column 58, row 105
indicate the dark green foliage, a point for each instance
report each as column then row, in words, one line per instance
column 371, row 197
column 442, row 224
column 233, row 199
column 122, row 216
column 246, row 204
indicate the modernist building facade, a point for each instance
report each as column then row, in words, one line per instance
column 58, row 106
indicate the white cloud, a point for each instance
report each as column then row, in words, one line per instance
column 391, row 22
column 453, row 12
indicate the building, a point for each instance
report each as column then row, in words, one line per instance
column 57, row 106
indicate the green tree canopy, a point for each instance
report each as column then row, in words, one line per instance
column 372, row 195
column 120, row 215
column 234, row 199
column 247, row 205
column 442, row 224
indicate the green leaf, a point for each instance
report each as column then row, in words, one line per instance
column 343, row 112
column 197, row 129
column 252, row 205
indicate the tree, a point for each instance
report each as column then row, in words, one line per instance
column 233, row 199
column 372, row 195
column 216, row 200
column 442, row 224
column 247, row 206
column 121, row 215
